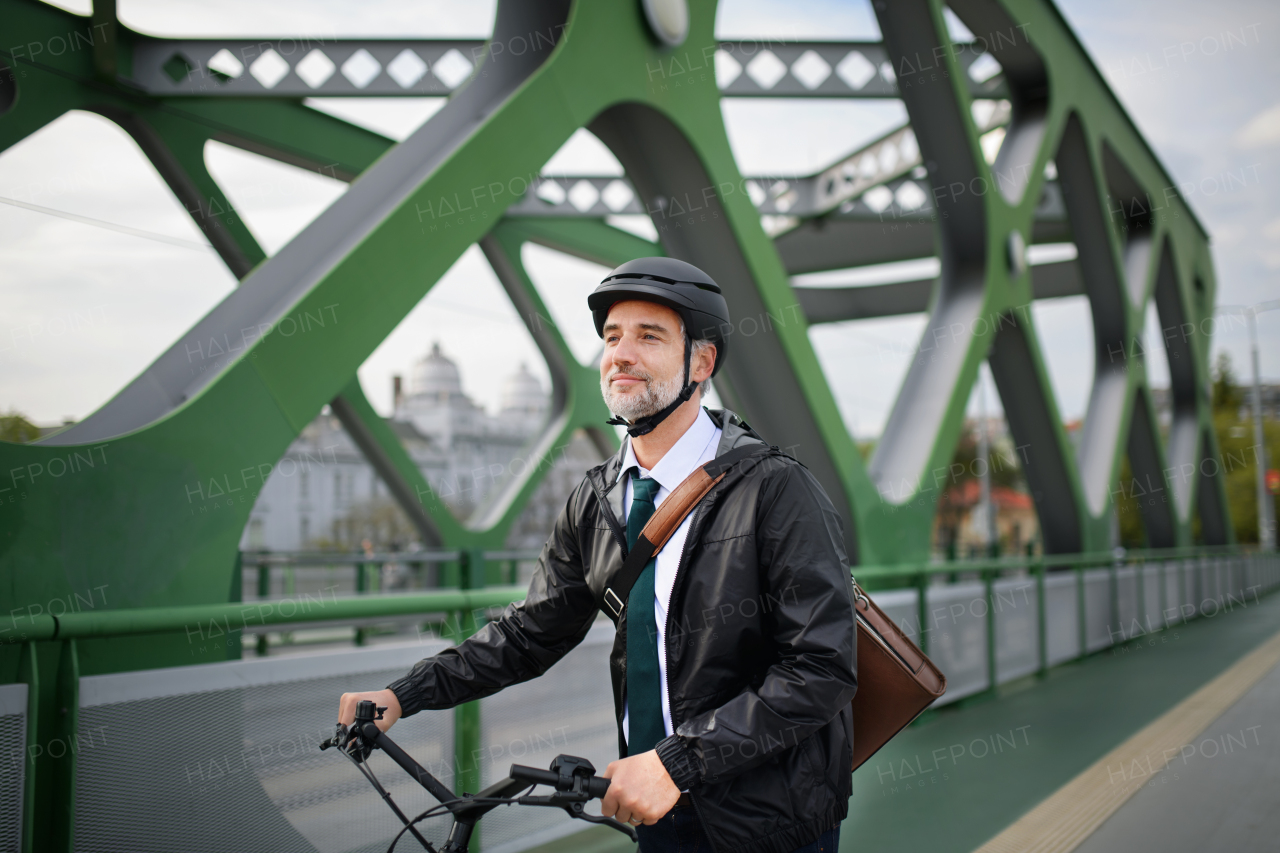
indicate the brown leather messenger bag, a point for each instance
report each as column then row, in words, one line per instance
column 896, row 681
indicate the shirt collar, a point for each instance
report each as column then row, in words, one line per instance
column 680, row 460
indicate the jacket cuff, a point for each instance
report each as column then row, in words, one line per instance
column 680, row 760
column 409, row 698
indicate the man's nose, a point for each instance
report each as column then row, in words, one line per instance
column 622, row 353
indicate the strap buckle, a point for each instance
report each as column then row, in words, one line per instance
column 858, row 595
column 614, row 602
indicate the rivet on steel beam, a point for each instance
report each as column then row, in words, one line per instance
column 1016, row 254
column 668, row 19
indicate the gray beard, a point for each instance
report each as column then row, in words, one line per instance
column 655, row 397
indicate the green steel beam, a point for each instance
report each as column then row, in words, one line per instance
column 150, row 494
column 587, row 238
column 888, row 513
column 1062, row 111
column 105, row 43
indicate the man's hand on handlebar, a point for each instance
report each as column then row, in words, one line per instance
column 380, row 698
column 640, row 790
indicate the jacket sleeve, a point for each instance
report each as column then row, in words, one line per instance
column 802, row 560
column 530, row 636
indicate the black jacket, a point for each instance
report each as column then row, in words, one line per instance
column 759, row 644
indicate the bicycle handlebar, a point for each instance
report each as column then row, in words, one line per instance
column 595, row 786
column 573, row 779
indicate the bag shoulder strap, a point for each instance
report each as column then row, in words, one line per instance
column 666, row 519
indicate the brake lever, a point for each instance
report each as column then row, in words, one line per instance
column 629, row 831
column 574, row 805
column 349, row 742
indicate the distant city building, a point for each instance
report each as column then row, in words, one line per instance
column 324, row 494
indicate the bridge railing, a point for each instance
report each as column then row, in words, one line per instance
column 291, row 573
column 989, row 622
column 237, row 736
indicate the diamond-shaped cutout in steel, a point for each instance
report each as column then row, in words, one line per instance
column 551, row 192
column 269, row 69
column 908, row 147
column 361, row 68
column 910, row 196
column 888, row 156
column 728, row 69
column 177, row 68
column 315, row 68
column 855, row 70
column 617, row 195
column 452, row 68
column 810, row 69
column 584, row 195
column 766, row 69
column 878, row 198
column 225, row 63
column 407, row 68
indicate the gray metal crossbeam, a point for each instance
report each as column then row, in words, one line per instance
column 310, row 66
column 777, row 68
column 907, row 198
column 837, row 304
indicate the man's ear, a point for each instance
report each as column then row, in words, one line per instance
column 706, row 361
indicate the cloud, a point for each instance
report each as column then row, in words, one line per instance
column 1262, row 130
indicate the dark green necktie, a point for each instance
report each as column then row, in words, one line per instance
column 644, row 684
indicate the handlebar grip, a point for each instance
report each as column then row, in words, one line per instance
column 533, row 774
column 596, row 785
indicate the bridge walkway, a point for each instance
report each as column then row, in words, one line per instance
column 1028, row 764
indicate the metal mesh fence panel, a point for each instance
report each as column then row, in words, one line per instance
column 13, row 747
column 1153, row 618
column 900, row 606
column 959, row 640
column 1017, row 614
column 1127, row 618
column 1062, row 617
column 224, row 757
column 1097, row 608
column 567, row 710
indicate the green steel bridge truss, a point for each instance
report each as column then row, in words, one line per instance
column 234, row 390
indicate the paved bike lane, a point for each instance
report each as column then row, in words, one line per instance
column 954, row 781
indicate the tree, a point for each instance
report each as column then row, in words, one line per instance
column 1226, row 391
column 1239, row 450
column 17, row 429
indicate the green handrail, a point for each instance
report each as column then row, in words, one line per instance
column 305, row 608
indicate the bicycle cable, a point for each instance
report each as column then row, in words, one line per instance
column 440, row 808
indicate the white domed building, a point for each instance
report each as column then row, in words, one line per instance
column 479, row 448
column 465, row 454
column 523, row 397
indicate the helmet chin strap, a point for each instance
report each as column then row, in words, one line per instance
column 647, row 424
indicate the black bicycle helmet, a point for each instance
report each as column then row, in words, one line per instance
column 685, row 289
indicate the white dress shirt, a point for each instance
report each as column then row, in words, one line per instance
column 695, row 448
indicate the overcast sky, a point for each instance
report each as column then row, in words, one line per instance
column 87, row 308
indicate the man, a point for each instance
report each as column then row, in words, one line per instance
column 733, row 665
